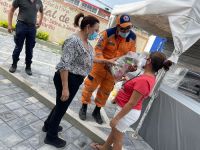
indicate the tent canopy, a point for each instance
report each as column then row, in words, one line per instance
column 179, row 19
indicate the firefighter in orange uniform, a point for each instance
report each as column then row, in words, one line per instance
column 113, row 43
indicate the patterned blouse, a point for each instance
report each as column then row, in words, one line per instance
column 75, row 57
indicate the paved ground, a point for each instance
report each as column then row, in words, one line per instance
column 21, row 120
column 27, row 132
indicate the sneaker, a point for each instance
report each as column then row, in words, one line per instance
column 13, row 68
column 55, row 141
column 45, row 129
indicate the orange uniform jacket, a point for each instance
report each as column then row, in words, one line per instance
column 109, row 46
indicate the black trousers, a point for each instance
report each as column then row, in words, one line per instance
column 28, row 32
column 54, row 118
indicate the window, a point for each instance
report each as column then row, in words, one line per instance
column 83, row 5
column 75, row 2
column 103, row 13
column 94, row 10
column 89, row 8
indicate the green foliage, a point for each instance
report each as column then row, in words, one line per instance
column 4, row 24
column 42, row 35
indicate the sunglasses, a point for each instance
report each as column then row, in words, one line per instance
column 125, row 29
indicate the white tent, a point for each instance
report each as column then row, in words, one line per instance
column 179, row 19
column 183, row 19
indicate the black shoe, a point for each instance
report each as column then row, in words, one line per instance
column 45, row 129
column 13, row 68
column 28, row 71
column 82, row 112
column 55, row 141
column 97, row 116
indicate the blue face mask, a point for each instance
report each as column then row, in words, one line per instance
column 92, row 36
column 124, row 35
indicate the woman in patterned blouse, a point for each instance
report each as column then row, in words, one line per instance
column 75, row 63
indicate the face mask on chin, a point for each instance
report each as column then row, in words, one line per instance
column 92, row 36
column 124, row 35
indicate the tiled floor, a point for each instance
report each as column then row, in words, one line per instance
column 21, row 120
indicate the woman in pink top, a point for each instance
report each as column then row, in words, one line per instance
column 129, row 100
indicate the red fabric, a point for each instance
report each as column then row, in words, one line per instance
column 142, row 84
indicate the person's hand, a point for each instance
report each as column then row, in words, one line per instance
column 132, row 68
column 113, row 101
column 65, row 95
column 10, row 29
column 113, row 123
column 111, row 61
column 124, row 78
column 37, row 25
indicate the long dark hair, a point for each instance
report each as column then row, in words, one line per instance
column 91, row 20
column 158, row 61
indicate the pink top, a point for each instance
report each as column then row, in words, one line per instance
column 142, row 84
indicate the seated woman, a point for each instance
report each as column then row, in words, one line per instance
column 129, row 100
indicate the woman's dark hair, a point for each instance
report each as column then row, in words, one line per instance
column 91, row 20
column 158, row 61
